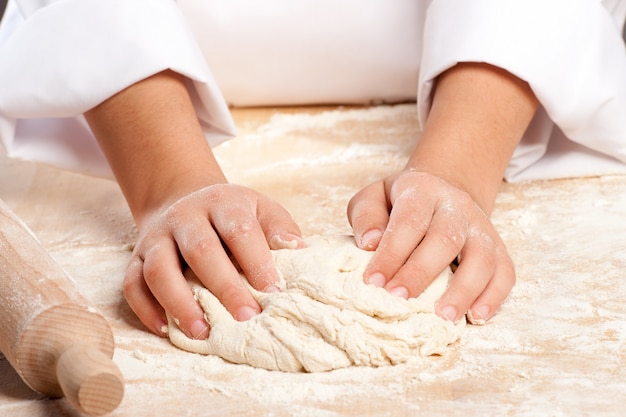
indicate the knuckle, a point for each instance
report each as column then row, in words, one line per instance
column 405, row 194
column 152, row 270
column 174, row 211
column 194, row 250
column 465, row 199
column 363, row 220
column 239, row 229
column 129, row 286
column 507, row 273
column 487, row 259
column 391, row 258
column 414, row 277
column 416, row 225
column 486, row 246
column 417, row 275
column 132, row 277
column 215, row 193
column 453, row 238
column 487, row 256
column 229, row 293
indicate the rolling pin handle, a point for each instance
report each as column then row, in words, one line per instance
column 90, row 380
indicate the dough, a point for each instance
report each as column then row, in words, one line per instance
column 326, row 317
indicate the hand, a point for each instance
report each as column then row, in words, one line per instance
column 199, row 230
column 418, row 224
column 158, row 152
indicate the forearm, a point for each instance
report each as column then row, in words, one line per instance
column 153, row 141
column 478, row 116
column 184, row 210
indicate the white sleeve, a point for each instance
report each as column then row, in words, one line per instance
column 66, row 56
column 572, row 54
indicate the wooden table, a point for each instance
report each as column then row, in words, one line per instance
column 556, row 348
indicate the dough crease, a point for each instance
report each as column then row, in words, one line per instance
column 325, row 317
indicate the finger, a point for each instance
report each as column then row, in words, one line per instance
column 278, row 226
column 368, row 214
column 141, row 300
column 163, row 276
column 242, row 234
column 496, row 292
column 203, row 251
column 472, row 276
column 408, row 223
column 441, row 245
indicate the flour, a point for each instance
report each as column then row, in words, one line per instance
column 280, row 125
column 536, row 356
column 325, row 317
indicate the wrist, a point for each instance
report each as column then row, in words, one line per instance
column 482, row 191
column 161, row 193
column 478, row 115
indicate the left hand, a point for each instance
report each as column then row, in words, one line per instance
column 418, row 224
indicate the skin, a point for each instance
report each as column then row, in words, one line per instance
column 437, row 208
column 417, row 220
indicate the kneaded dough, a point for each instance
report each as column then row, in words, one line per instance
column 325, row 317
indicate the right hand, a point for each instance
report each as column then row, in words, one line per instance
column 202, row 230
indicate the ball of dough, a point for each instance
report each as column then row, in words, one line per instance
column 325, row 317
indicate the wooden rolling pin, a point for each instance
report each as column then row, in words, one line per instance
column 57, row 343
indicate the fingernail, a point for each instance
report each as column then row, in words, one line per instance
column 161, row 327
column 369, row 238
column 377, row 279
column 400, row 292
column 246, row 313
column 199, row 330
column 286, row 241
column 449, row 313
column 479, row 316
column 272, row 288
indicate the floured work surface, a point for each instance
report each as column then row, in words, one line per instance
column 556, row 348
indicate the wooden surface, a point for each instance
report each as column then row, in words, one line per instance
column 556, row 348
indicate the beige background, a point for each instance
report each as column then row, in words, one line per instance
column 556, row 348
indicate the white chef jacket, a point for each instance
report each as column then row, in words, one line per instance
column 59, row 58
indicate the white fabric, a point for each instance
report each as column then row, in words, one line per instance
column 67, row 56
column 282, row 52
column 276, row 52
column 572, row 55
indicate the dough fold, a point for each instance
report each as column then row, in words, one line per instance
column 325, row 317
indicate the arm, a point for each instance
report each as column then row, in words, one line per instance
column 154, row 144
column 184, row 208
column 437, row 208
column 478, row 116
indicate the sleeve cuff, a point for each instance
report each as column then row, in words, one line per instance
column 84, row 61
column 578, row 75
